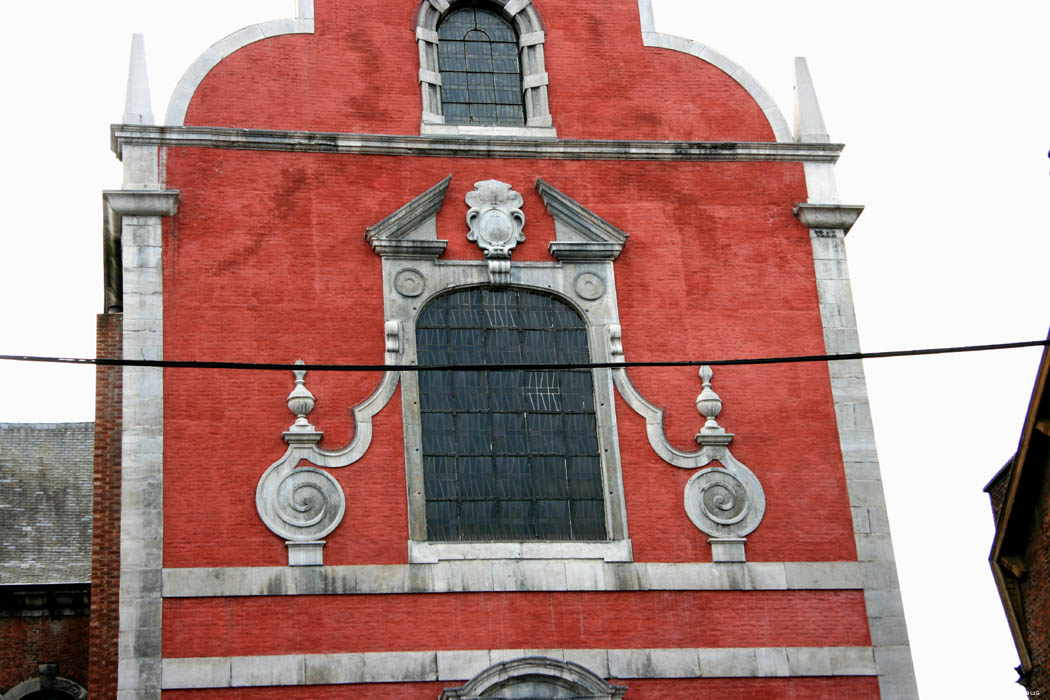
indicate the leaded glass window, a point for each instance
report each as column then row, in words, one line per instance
column 480, row 71
column 508, row 455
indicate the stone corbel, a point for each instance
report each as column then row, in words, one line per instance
column 726, row 502
column 830, row 217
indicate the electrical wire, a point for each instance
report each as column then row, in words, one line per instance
column 270, row 366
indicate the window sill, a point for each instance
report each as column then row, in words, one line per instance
column 530, row 132
column 434, row 552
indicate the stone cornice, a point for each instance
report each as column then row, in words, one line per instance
column 466, row 147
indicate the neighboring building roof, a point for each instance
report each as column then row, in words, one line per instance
column 45, row 502
column 1014, row 490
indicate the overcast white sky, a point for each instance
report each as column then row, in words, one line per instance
column 944, row 109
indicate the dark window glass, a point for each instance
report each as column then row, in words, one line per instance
column 480, row 71
column 508, row 455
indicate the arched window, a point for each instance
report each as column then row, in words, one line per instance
column 480, row 73
column 508, row 454
column 481, row 69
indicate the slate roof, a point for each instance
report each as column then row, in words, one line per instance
column 45, row 502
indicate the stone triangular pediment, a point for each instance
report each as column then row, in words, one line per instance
column 411, row 231
column 581, row 234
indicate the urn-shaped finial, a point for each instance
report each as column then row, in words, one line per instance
column 708, row 403
column 300, row 401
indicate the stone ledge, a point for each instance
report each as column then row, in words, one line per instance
column 461, row 665
column 487, row 576
column 494, row 146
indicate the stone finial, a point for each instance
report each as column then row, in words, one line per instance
column 709, row 404
column 809, row 122
column 300, row 402
column 138, row 106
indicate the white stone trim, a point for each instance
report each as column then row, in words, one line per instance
column 531, row 144
column 434, row 552
column 422, row 666
column 470, row 130
column 650, row 37
column 194, row 75
column 491, row 575
column 142, row 469
column 889, row 634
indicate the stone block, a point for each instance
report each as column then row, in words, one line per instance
column 309, row 580
column 597, row 660
column 863, row 470
column 382, row 578
column 196, row 673
column 883, row 603
column 888, row 631
column 498, row 656
column 896, row 674
column 772, row 662
column 251, row 671
column 728, row 663
column 823, row 575
column 271, row 580
column 381, row 667
column 809, row 661
column 626, row 577
column 830, row 268
column 874, row 547
column 322, row 669
column 864, row 493
column 469, row 576
column 529, row 575
column 861, row 526
column 668, row 577
column 675, row 663
column 879, row 575
column 461, row 665
column 630, row 663
column 767, row 576
column 584, row 575
column 340, row 580
column 852, row 661
column 144, row 614
column 878, row 520
column 139, row 674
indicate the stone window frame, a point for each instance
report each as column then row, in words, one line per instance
column 526, row 23
column 581, row 275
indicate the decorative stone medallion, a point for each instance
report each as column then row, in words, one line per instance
column 410, row 283
column 495, row 218
column 589, row 286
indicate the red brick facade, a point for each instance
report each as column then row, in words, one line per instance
column 266, row 261
column 105, row 550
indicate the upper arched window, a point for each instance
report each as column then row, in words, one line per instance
column 480, row 72
column 481, row 68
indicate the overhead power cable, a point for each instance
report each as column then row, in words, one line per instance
column 264, row 366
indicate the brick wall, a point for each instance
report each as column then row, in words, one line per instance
column 26, row 642
column 105, row 567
